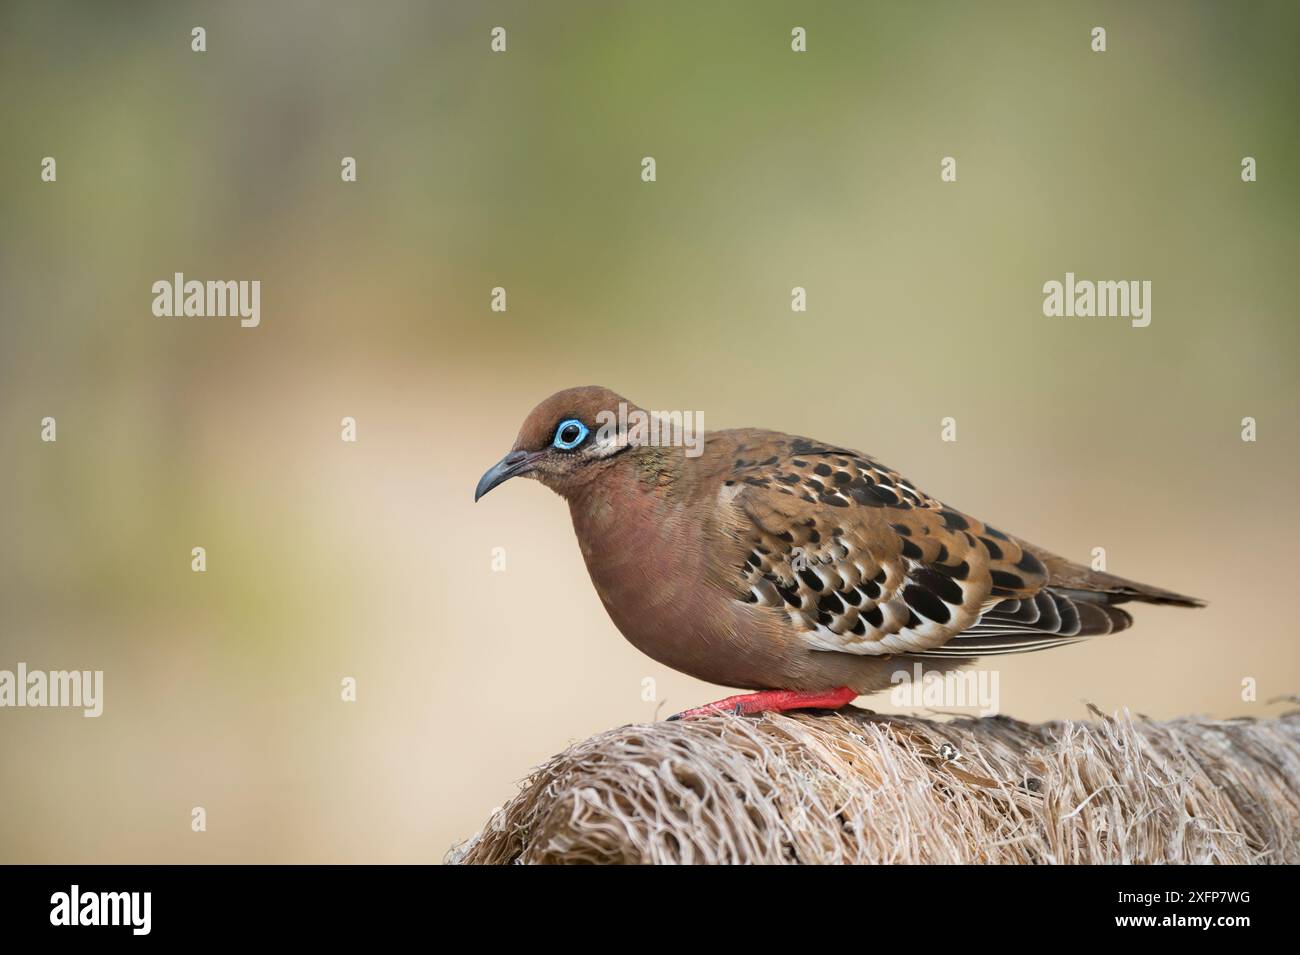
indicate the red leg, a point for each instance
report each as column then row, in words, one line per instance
column 772, row 701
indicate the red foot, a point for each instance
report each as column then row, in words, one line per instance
column 772, row 701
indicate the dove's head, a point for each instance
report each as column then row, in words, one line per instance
column 566, row 442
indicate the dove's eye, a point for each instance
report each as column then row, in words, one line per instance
column 569, row 434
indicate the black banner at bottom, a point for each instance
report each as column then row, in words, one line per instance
column 90, row 904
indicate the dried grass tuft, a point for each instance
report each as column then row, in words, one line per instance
column 860, row 788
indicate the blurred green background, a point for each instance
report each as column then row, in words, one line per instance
column 522, row 170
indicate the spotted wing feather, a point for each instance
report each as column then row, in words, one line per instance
column 862, row 561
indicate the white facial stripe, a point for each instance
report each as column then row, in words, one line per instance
column 604, row 444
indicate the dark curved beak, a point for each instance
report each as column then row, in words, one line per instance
column 516, row 462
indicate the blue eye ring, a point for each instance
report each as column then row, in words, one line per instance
column 563, row 443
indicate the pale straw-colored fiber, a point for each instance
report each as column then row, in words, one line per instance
column 861, row 788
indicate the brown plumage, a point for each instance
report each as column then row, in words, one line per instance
column 775, row 562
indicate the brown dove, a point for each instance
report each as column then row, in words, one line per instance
column 799, row 569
